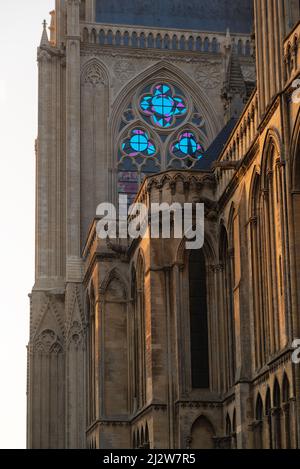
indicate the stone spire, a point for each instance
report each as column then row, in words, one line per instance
column 44, row 39
column 234, row 91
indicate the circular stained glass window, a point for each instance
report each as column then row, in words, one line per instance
column 163, row 106
column 138, row 143
column 187, row 146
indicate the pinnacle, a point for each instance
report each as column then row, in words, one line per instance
column 44, row 39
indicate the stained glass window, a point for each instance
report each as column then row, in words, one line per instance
column 187, row 146
column 151, row 146
column 138, row 157
column 162, row 106
column 138, row 144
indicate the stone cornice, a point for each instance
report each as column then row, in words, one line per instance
column 156, row 54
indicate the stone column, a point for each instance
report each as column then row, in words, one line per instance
column 73, row 142
column 259, row 49
column 60, row 22
column 43, row 158
column 75, row 373
column 271, row 39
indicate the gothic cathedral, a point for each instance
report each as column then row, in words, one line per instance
column 140, row 343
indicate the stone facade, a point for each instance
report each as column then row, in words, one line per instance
column 110, row 354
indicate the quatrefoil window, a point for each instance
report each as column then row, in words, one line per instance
column 163, row 106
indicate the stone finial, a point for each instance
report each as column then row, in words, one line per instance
column 44, row 39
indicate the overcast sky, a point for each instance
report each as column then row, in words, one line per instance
column 20, row 32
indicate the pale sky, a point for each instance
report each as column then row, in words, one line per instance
column 20, row 33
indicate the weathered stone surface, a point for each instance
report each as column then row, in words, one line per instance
column 109, row 356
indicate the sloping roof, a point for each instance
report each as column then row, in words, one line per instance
column 217, row 146
column 235, row 82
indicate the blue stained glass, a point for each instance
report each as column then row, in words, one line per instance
column 187, row 146
column 162, row 106
column 138, row 144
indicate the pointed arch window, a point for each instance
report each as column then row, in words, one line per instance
column 198, row 320
column 138, row 157
column 160, row 128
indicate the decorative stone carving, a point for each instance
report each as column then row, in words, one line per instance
column 93, row 75
column 249, row 73
column 43, row 56
column 47, row 342
column 208, row 76
column 124, row 70
column 75, row 333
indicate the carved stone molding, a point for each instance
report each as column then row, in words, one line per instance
column 43, row 56
column 124, row 70
column 75, row 334
column 209, row 76
column 93, row 75
column 47, row 342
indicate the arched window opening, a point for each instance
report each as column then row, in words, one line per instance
column 150, row 41
column 126, row 38
column 228, row 431
column 174, row 42
column 116, row 340
column 158, row 42
column 198, row 44
column 147, row 440
column 259, row 409
column 191, row 43
column 198, row 320
column 240, row 47
column 134, row 39
column 202, row 434
column 260, row 315
column 206, row 45
column 234, row 437
column 285, row 389
column 166, row 44
column 227, row 279
column 110, row 38
column 259, row 423
column 273, row 252
column 286, row 410
column 182, row 43
column 168, row 132
column 118, row 38
column 138, row 297
column 268, row 407
column 215, row 45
